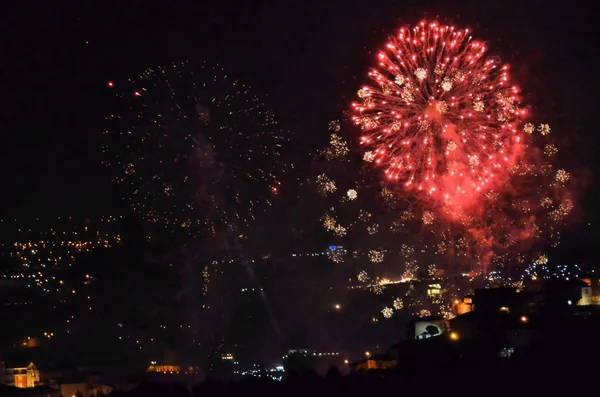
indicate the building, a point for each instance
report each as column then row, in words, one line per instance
column 422, row 354
column 28, row 342
column 463, row 306
column 507, row 300
column 590, row 293
column 172, row 369
column 426, row 327
column 75, row 389
column 376, row 362
column 164, row 369
column 562, row 295
column 506, row 329
column 20, row 376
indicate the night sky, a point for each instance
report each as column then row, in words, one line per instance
column 308, row 56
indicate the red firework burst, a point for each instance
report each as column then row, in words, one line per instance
column 441, row 117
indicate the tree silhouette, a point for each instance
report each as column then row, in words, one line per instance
column 333, row 374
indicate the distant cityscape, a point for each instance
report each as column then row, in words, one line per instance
column 62, row 284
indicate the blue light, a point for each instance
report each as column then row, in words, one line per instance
column 332, row 247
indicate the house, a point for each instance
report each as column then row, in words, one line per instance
column 413, row 353
column 507, row 300
column 75, row 389
column 463, row 306
column 426, row 327
column 377, row 362
column 21, row 376
column 497, row 330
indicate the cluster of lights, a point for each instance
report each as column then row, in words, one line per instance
column 43, row 255
column 325, row 185
column 309, row 352
column 423, row 297
column 544, row 271
column 171, row 369
column 275, row 373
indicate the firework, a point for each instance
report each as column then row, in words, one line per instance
column 193, row 148
column 337, row 148
column 510, row 221
column 364, row 213
column 376, row 256
column 387, row 312
column 441, row 117
column 325, row 185
column 348, row 193
column 445, row 123
column 424, row 236
column 398, row 304
column 412, row 242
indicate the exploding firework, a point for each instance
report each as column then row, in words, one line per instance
column 387, row 312
column 193, row 148
column 468, row 186
column 441, row 117
column 346, row 215
column 530, row 210
column 398, row 304
column 445, row 122
column 410, row 241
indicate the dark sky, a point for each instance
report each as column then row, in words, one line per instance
column 307, row 55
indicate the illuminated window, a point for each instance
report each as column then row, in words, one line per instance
column 434, row 289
